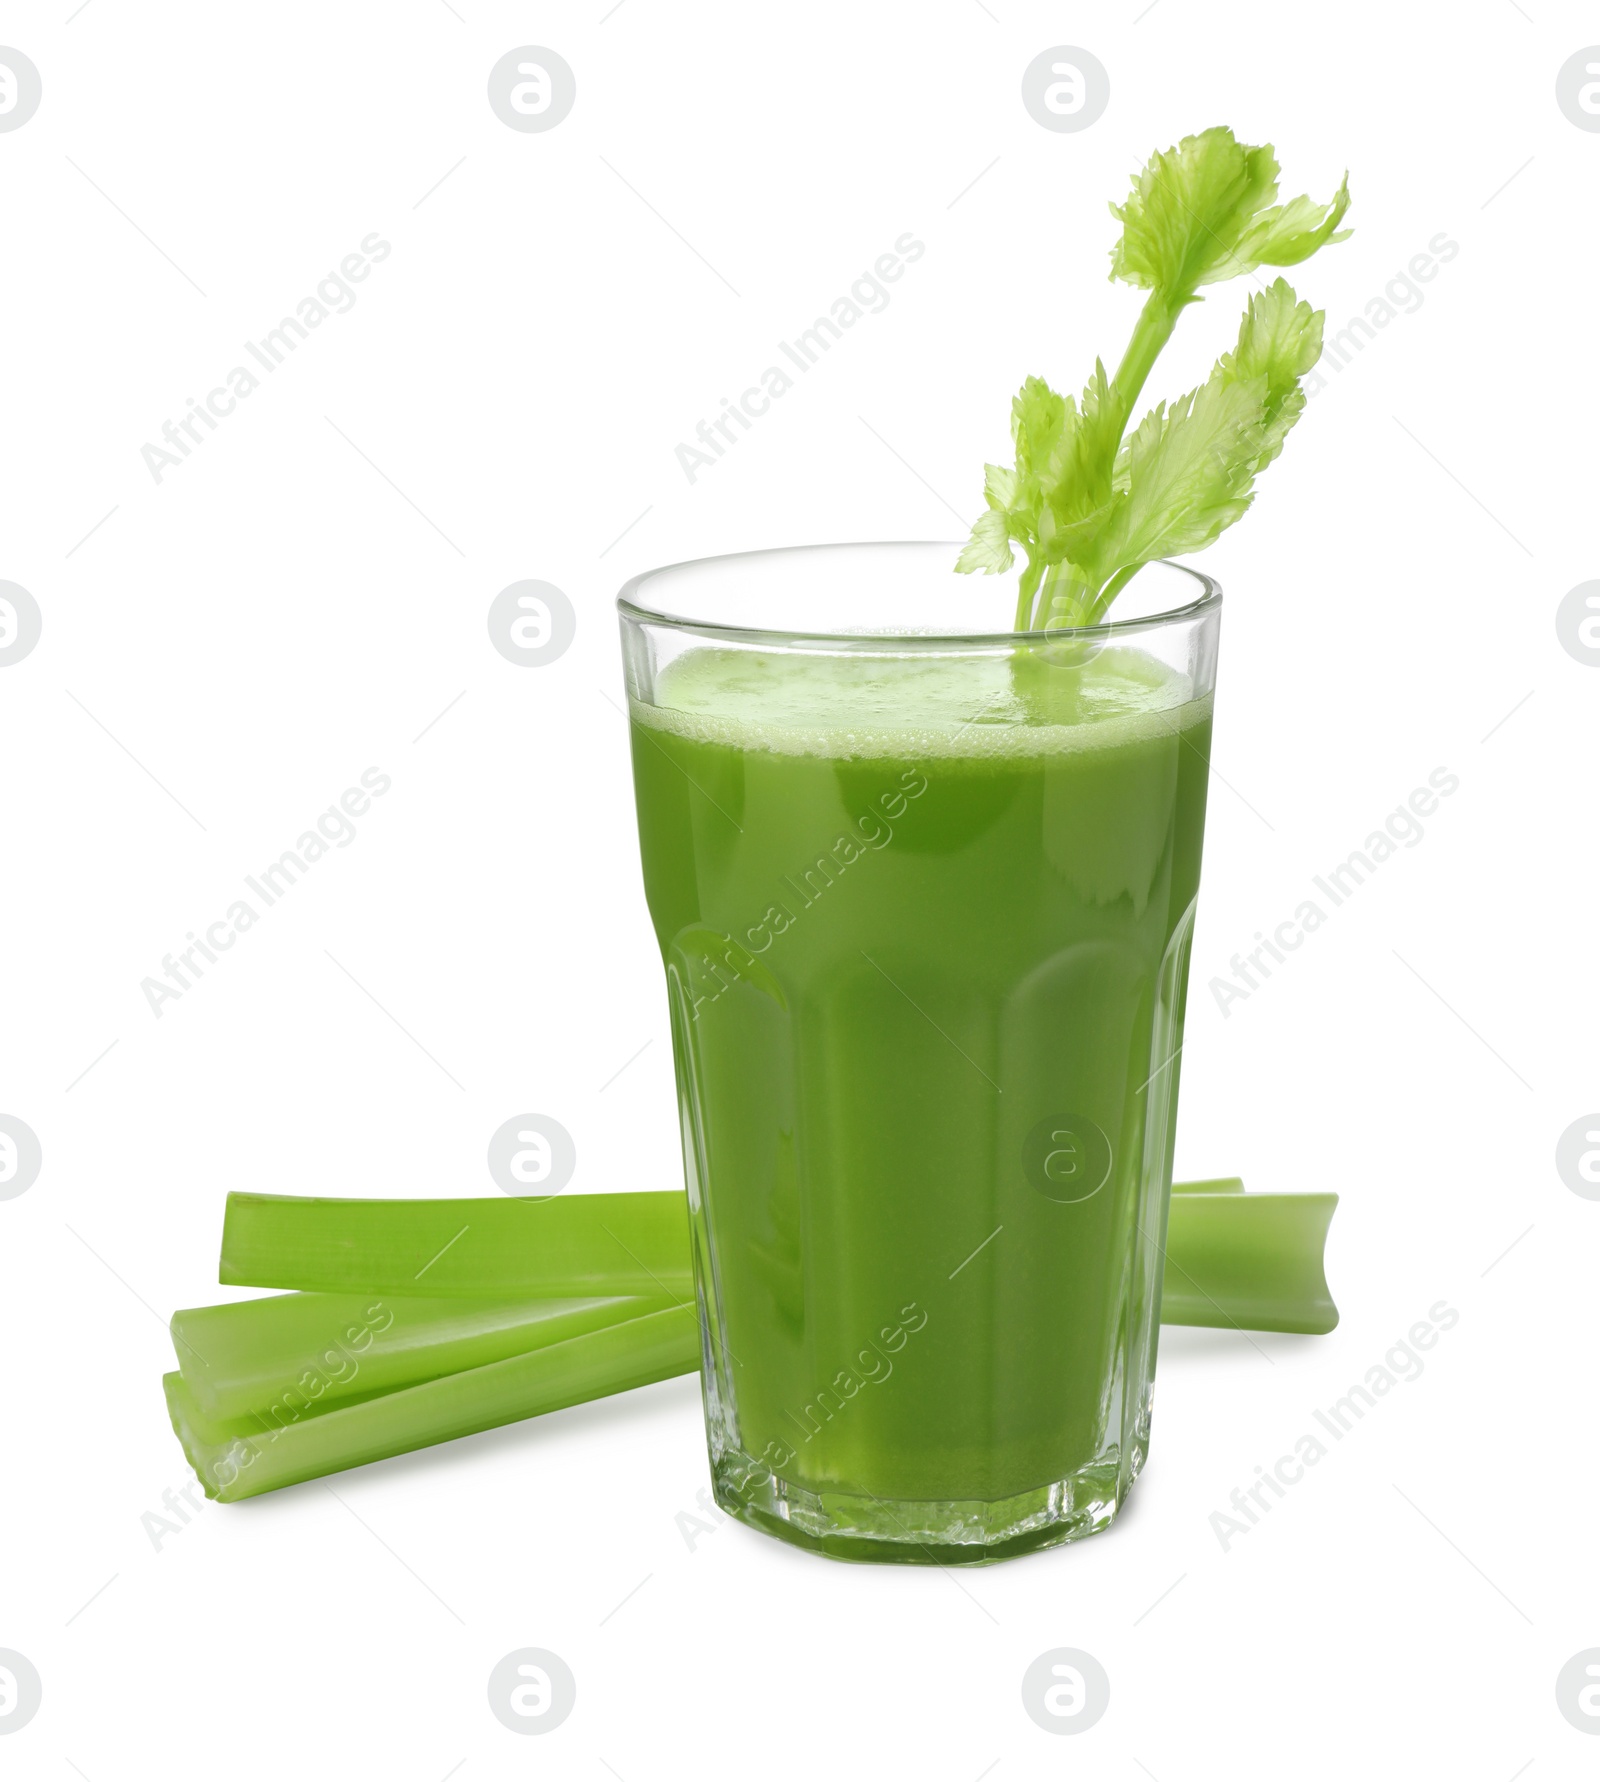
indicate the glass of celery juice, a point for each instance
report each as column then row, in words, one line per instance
column 924, row 894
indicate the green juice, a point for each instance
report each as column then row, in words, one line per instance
column 926, row 921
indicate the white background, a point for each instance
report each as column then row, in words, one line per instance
column 231, row 647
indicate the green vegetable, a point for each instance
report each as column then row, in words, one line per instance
column 1089, row 507
column 559, row 1247
column 283, row 1356
column 242, row 1457
column 276, row 1391
column 1249, row 1262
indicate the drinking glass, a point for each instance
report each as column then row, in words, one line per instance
column 924, row 892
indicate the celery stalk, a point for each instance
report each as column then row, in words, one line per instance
column 280, row 1390
column 238, row 1458
column 562, row 1246
column 283, row 1356
column 1234, row 1260
column 1090, row 502
column 1249, row 1262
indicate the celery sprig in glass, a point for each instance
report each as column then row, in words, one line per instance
column 1090, row 504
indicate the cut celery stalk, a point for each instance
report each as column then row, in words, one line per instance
column 1249, row 1262
column 237, row 1458
column 1234, row 1260
column 422, row 1370
column 560, row 1247
column 281, row 1357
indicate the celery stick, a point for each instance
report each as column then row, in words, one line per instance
column 1249, row 1262
column 562, row 1246
column 237, row 1458
column 1234, row 1260
column 282, row 1356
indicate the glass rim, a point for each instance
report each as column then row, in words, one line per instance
column 1206, row 600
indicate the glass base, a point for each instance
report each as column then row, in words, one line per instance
column 908, row 1531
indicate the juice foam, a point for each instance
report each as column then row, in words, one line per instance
column 879, row 703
